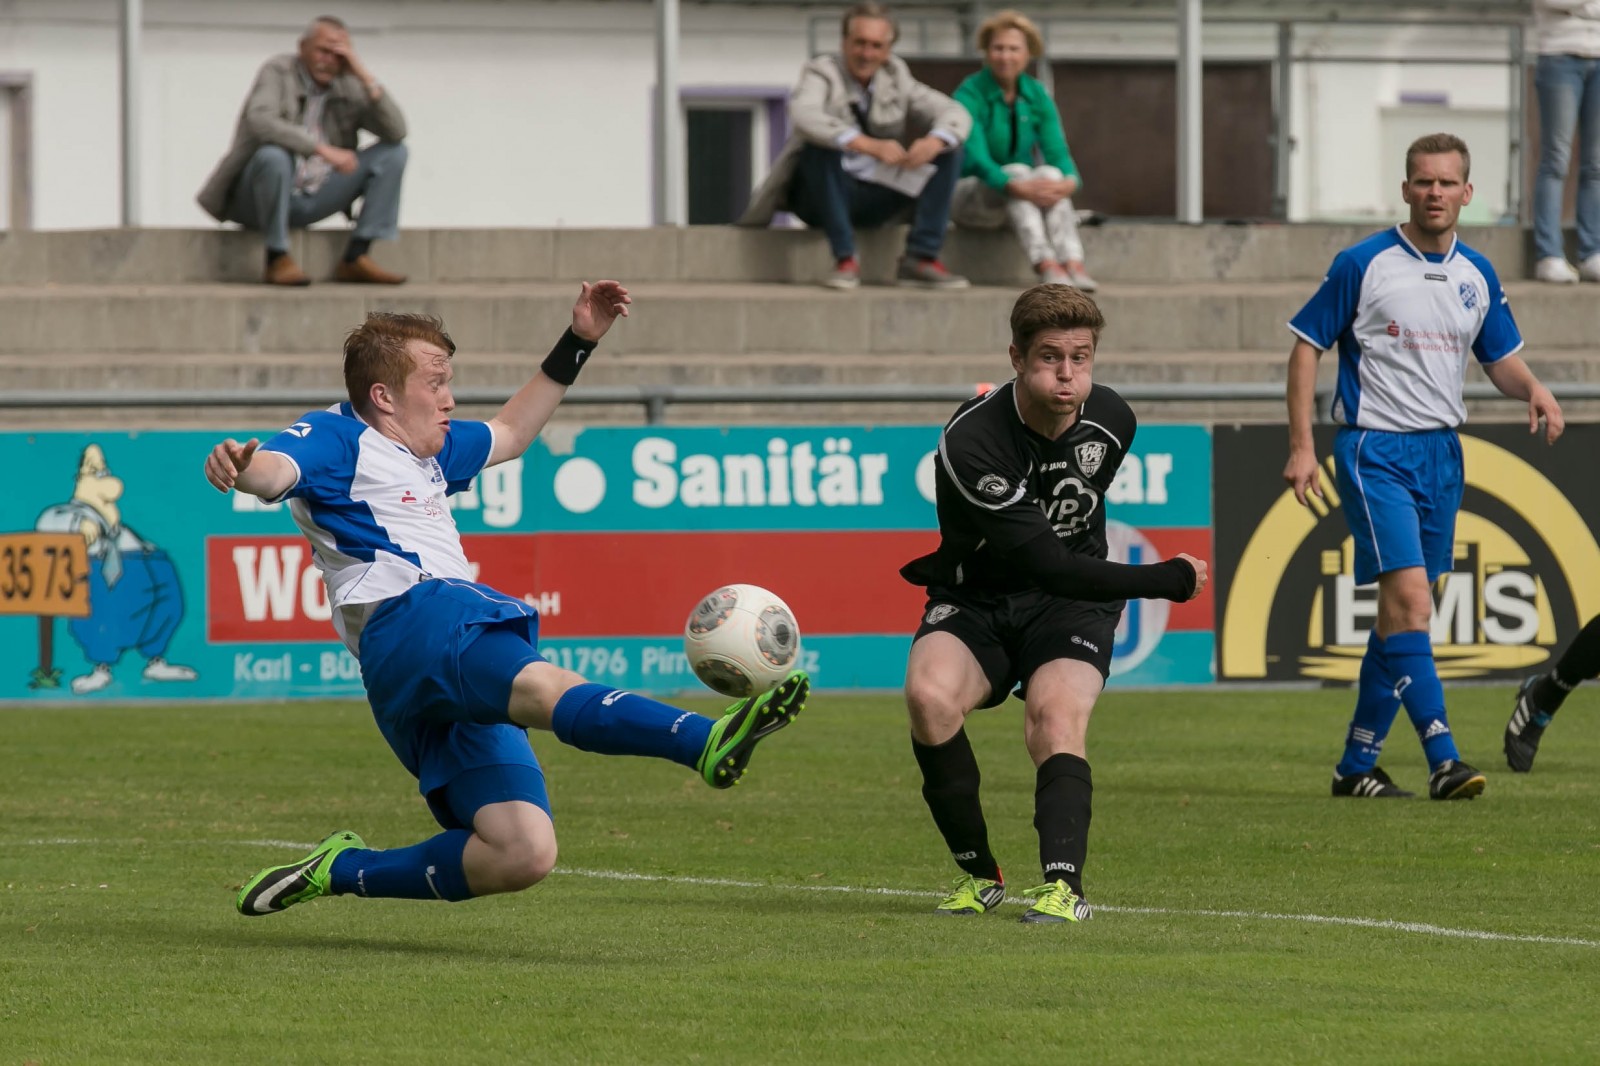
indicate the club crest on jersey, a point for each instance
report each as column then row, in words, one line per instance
column 939, row 612
column 1469, row 296
column 993, row 485
column 1090, row 456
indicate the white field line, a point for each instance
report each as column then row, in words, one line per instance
column 1421, row 928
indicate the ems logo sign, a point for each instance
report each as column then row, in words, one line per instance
column 1090, row 456
column 939, row 612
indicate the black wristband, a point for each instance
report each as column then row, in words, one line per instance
column 567, row 358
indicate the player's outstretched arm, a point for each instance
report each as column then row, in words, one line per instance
column 1302, row 473
column 232, row 465
column 1514, row 379
column 1083, row 577
column 524, row 416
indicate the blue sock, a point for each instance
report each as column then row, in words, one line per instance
column 609, row 721
column 1416, row 679
column 1376, row 706
column 429, row 870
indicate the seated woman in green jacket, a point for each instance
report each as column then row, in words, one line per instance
column 1013, row 118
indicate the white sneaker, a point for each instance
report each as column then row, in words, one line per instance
column 1556, row 271
column 158, row 669
column 92, row 682
column 1589, row 269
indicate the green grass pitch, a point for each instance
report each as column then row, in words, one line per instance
column 126, row 831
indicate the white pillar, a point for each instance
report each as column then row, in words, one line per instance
column 1190, row 138
column 669, row 161
column 132, row 24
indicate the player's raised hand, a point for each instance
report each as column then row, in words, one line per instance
column 1542, row 405
column 599, row 305
column 228, row 460
column 1201, row 573
column 1303, row 474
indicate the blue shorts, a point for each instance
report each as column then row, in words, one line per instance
column 1400, row 493
column 438, row 662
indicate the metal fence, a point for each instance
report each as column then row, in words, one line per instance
column 656, row 399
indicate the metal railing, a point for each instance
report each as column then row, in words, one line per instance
column 655, row 399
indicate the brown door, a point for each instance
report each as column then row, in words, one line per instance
column 1121, row 124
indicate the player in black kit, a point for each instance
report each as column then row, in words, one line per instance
column 1021, row 595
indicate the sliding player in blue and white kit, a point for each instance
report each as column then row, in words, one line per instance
column 1406, row 308
column 452, row 667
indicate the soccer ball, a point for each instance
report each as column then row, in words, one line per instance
column 742, row 640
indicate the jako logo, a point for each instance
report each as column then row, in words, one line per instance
column 1524, row 567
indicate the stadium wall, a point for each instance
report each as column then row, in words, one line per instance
column 538, row 114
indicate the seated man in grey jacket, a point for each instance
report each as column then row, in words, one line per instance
column 871, row 145
column 294, row 159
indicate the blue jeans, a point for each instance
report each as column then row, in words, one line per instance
column 822, row 194
column 264, row 197
column 1569, row 98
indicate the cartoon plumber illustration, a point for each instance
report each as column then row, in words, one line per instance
column 135, row 598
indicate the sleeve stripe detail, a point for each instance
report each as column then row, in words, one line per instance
column 1505, row 355
column 944, row 457
column 1318, row 345
column 1104, row 430
column 297, row 476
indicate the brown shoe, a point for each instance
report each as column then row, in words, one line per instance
column 365, row 271
column 285, row 271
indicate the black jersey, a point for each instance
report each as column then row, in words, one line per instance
column 1005, row 493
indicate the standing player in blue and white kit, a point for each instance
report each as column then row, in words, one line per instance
column 1405, row 308
column 452, row 667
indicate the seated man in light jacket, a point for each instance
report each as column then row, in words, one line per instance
column 294, row 159
column 871, row 145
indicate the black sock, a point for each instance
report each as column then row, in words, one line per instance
column 1061, row 815
column 950, row 785
column 275, row 254
column 357, row 248
column 1579, row 663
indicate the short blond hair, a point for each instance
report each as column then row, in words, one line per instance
column 1439, row 144
column 1011, row 20
column 378, row 352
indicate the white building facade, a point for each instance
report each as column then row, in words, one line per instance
column 539, row 114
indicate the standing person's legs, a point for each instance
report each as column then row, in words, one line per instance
column 1060, row 698
column 1371, row 489
column 1400, row 493
column 1588, row 206
column 1558, row 84
column 821, row 195
column 944, row 683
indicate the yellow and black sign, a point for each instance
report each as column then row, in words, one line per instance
column 1525, row 579
column 44, row 574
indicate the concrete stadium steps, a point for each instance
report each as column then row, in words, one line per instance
column 1116, row 252
column 685, row 319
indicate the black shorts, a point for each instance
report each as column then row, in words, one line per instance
column 1013, row 634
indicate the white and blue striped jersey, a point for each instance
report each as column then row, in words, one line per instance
column 375, row 514
column 1404, row 321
